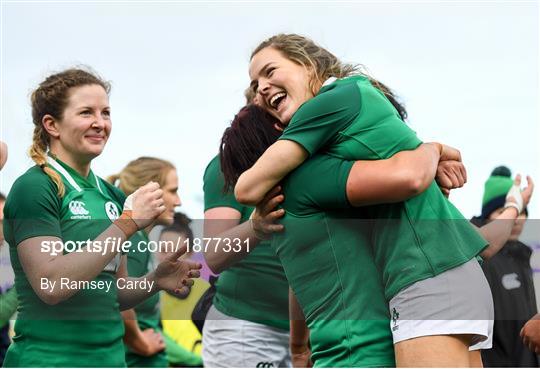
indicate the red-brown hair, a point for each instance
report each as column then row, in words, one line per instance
column 251, row 132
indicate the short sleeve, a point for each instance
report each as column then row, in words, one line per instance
column 137, row 261
column 319, row 119
column 32, row 208
column 214, row 194
column 320, row 183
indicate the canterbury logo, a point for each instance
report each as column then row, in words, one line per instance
column 77, row 208
column 511, row 281
column 264, row 364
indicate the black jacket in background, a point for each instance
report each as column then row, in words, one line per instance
column 510, row 277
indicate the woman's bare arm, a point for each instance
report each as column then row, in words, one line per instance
column 281, row 158
column 404, row 175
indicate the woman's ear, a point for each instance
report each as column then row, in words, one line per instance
column 50, row 125
column 278, row 127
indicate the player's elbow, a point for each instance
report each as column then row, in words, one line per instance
column 244, row 194
column 246, row 198
column 414, row 182
column 415, row 186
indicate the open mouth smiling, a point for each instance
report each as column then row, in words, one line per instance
column 277, row 99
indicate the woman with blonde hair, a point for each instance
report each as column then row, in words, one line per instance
column 143, row 337
column 67, row 230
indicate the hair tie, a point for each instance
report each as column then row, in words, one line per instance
column 42, row 166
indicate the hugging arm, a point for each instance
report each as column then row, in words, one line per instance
column 404, row 175
column 223, row 223
column 276, row 162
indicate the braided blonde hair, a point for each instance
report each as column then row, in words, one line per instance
column 51, row 98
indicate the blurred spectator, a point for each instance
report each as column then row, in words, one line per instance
column 3, row 154
column 8, row 295
column 182, row 338
column 509, row 275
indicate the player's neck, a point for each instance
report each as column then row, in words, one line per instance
column 80, row 165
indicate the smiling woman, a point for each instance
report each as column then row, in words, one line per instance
column 61, row 200
column 143, row 334
column 331, row 107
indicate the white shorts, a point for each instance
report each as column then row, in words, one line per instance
column 231, row 342
column 457, row 301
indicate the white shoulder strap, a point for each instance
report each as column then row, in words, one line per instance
column 98, row 185
column 329, row 81
column 60, row 169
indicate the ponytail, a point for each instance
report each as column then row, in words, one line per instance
column 38, row 155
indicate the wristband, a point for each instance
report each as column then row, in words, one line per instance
column 126, row 224
column 517, row 201
column 511, row 204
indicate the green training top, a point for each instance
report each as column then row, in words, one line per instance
column 86, row 329
column 413, row 240
column 328, row 260
column 254, row 288
column 140, row 262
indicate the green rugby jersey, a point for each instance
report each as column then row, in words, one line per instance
column 86, row 329
column 139, row 264
column 328, row 260
column 415, row 239
column 254, row 288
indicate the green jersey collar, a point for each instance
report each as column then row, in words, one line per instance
column 72, row 177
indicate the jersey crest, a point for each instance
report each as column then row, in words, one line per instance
column 112, row 210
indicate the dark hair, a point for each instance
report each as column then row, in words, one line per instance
column 2, row 197
column 251, row 132
column 324, row 64
column 180, row 224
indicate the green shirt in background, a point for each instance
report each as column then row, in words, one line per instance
column 255, row 288
column 139, row 264
column 328, row 260
column 86, row 329
column 415, row 239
